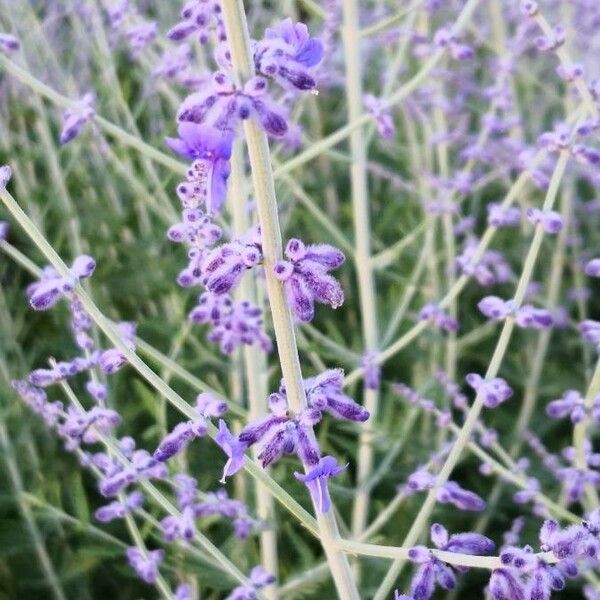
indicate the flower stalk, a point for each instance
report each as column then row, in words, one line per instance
column 264, row 191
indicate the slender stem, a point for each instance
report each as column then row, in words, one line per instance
column 264, row 189
column 580, row 435
column 362, row 240
column 492, row 370
column 254, row 367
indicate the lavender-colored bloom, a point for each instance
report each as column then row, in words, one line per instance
column 590, row 330
column 528, row 316
column 181, row 526
column 140, row 35
column 210, row 148
column 495, row 308
column 570, row 404
column 324, row 393
column 432, row 312
column 223, row 266
column 452, row 493
column 372, row 371
column 199, row 17
column 46, row 292
column 221, row 106
column 316, row 481
column 5, row 175
column 233, row 322
column 383, row 118
column 183, row 592
column 179, row 438
column 233, row 448
column 444, row 38
column 209, row 406
column 145, row 564
column 174, row 61
column 110, row 361
column 491, row 268
column 117, row 509
column 504, row 585
column 499, row 216
column 259, row 578
column 76, row 117
column 9, row 43
column 306, row 278
column 37, row 400
column 550, row 220
column 592, row 268
column 287, row 54
column 493, row 391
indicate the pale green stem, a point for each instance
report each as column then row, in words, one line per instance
column 362, row 241
column 493, row 368
column 254, row 362
column 264, row 189
column 580, row 431
column 386, row 257
column 451, row 558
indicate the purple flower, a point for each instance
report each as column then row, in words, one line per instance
column 9, row 43
column 37, row 400
column 117, row 510
column 383, row 118
column 592, row 268
column 259, row 578
column 432, row 570
column 210, row 149
column 491, row 268
column 528, row 316
column 179, row 438
column 590, row 330
column 493, row 391
column 140, row 35
column 499, row 216
column 223, row 267
column 233, row 448
column 76, row 117
column 571, row 404
column 550, row 220
column 324, row 393
column 495, row 308
column 5, row 175
column 209, row 406
column 199, row 17
column 145, row 564
column 287, row 54
column 233, row 322
column 463, row 499
column 432, row 312
column 46, row 292
column 316, row 481
column 306, row 278
column 504, row 585
column 183, row 592
column 220, row 106
column 372, row 371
